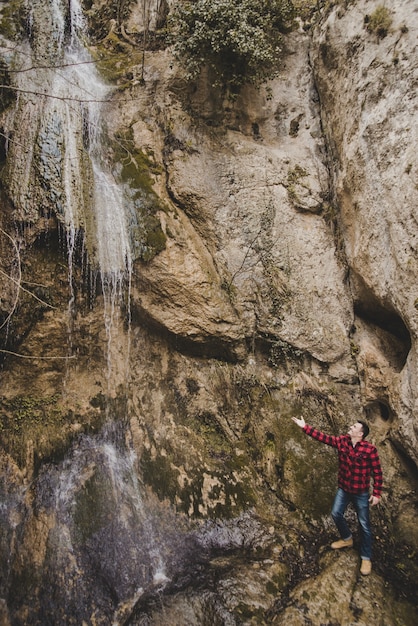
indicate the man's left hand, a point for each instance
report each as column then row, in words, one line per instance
column 374, row 500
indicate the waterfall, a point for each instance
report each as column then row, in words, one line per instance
column 104, row 536
column 55, row 163
column 55, row 156
column 101, row 462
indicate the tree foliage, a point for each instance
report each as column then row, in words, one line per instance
column 239, row 41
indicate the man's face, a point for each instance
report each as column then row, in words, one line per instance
column 356, row 430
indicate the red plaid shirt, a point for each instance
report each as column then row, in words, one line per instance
column 356, row 463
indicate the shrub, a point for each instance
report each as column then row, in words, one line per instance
column 379, row 22
column 239, row 41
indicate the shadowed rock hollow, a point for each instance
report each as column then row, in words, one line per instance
column 180, row 274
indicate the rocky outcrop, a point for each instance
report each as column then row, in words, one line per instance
column 370, row 73
column 273, row 250
column 150, row 471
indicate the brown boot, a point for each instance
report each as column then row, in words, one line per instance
column 366, row 567
column 342, row 543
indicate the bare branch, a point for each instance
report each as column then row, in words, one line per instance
column 19, row 287
column 50, row 67
column 6, row 321
column 49, row 95
column 19, row 284
column 249, row 249
column 41, row 358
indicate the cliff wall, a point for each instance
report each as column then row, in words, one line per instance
column 150, row 469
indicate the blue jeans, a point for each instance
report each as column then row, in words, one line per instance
column 361, row 505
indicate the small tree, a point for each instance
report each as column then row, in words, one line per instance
column 238, row 40
column 379, row 21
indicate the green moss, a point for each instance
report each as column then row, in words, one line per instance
column 296, row 174
column 231, row 490
column 13, row 19
column 137, row 167
column 271, row 588
column 379, row 22
column 158, row 472
column 7, row 96
column 295, row 177
column 38, row 423
column 227, row 497
column 207, row 427
column 279, row 580
column 111, row 60
column 354, row 349
column 249, row 615
column 217, row 471
column 310, row 475
column 137, row 170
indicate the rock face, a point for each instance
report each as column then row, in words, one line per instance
column 372, row 148
column 150, row 472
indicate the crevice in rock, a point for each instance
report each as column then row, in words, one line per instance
column 369, row 308
column 330, row 158
column 379, row 410
column 208, row 347
column 386, row 319
column 407, row 463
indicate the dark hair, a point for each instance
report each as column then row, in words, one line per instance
column 365, row 428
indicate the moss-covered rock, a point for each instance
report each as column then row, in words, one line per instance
column 137, row 170
column 36, row 428
column 13, row 19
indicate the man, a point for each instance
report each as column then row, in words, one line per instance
column 357, row 461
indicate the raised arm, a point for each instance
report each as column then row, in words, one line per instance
column 329, row 440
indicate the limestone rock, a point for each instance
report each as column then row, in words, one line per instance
column 153, row 466
column 256, row 195
column 340, row 594
column 182, row 293
column 368, row 95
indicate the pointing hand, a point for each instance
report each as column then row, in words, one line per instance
column 299, row 421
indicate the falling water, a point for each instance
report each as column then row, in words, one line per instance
column 55, row 166
column 55, row 159
column 102, row 549
column 106, row 543
column 102, row 461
